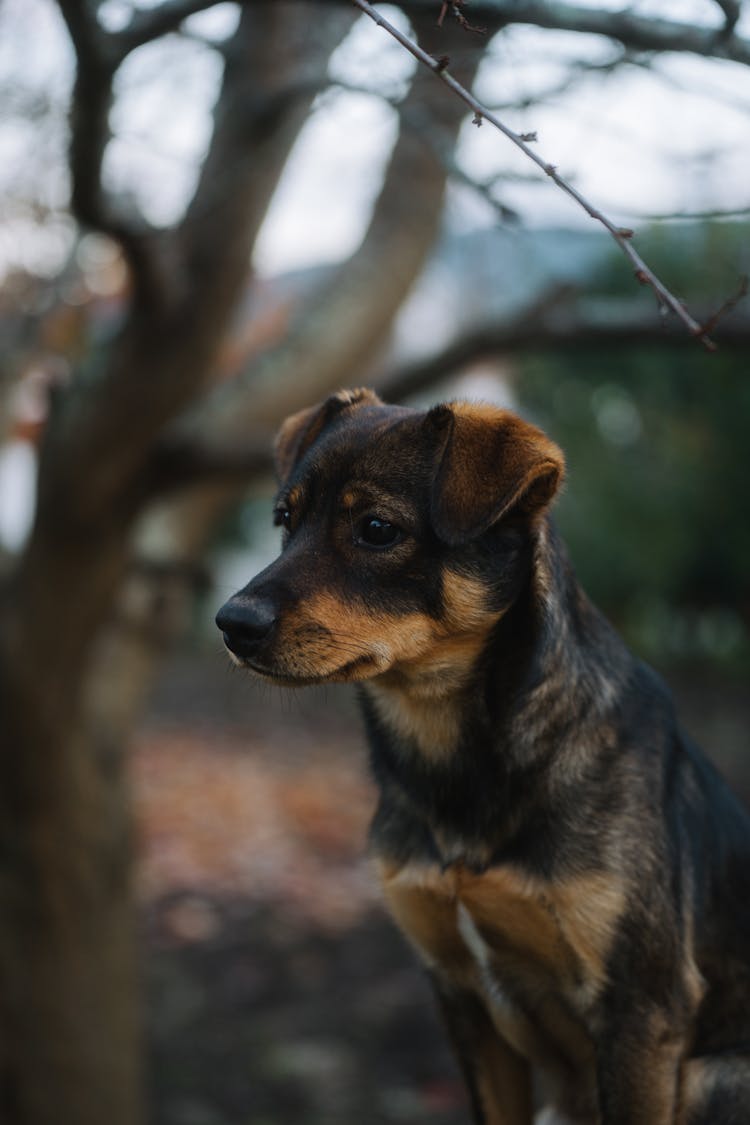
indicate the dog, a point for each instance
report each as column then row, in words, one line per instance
column 572, row 872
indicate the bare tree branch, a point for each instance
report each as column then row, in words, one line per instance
column 729, row 305
column 204, row 264
column 694, row 87
column 579, row 71
column 364, row 294
column 148, row 24
column 625, row 326
column 257, row 118
column 92, row 100
column 97, row 61
column 690, row 216
column 551, row 323
column 182, row 464
column 622, row 237
column 732, row 12
column 634, row 31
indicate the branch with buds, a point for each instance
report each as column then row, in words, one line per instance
column 622, row 236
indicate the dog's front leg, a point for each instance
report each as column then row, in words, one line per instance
column 640, row 1072
column 497, row 1077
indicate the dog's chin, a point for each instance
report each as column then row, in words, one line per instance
column 362, row 668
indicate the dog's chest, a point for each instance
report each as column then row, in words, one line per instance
column 534, row 951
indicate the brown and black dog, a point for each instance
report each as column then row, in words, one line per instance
column 568, row 866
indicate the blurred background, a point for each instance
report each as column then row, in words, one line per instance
column 211, row 215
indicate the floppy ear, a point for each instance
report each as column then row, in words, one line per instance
column 299, row 431
column 490, row 462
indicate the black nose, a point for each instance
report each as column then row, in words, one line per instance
column 245, row 622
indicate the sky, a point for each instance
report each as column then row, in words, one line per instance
column 673, row 138
column 640, row 142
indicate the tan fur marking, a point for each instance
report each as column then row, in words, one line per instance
column 492, row 461
column 378, row 640
column 423, row 904
column 326, row 640
column 504, row 1085
column 525, row 435
column 589, row 909
column 421, row 700
column 367, row 496
column 566, row 928
column 433, row 724
column 694, row 981
column 521, row 924
column 420, row 663
column 655, row 1089
column 465, row 600
column 698, row 1081
column 294, row 497
column 560, row 933
column 545, row 942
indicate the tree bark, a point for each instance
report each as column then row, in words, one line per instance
column 68, row 978
column 69, row 1023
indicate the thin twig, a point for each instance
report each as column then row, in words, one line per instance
column 728, row 306
column 708, row 215
column 457, row 13
column 622, row 236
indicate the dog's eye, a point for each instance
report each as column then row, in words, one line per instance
column 374, row 532
column 282, row 517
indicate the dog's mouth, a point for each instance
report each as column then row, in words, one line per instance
column 361, row 668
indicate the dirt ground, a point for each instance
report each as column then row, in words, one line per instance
column 277, row 990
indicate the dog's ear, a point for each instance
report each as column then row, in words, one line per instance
column 299, row 431
column 489, row 463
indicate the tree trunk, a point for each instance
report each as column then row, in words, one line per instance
column 67, row 976
column 68, row 997
column 69, row 1022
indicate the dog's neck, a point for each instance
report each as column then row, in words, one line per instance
column 473, row 739
column 571, row 663
column 423, row 703
column 543, row 658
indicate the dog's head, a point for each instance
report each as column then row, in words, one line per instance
column 406, row 537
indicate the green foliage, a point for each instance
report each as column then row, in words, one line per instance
column 656, row 509
column 696, row 261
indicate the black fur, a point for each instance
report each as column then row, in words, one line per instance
column 574, row 872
